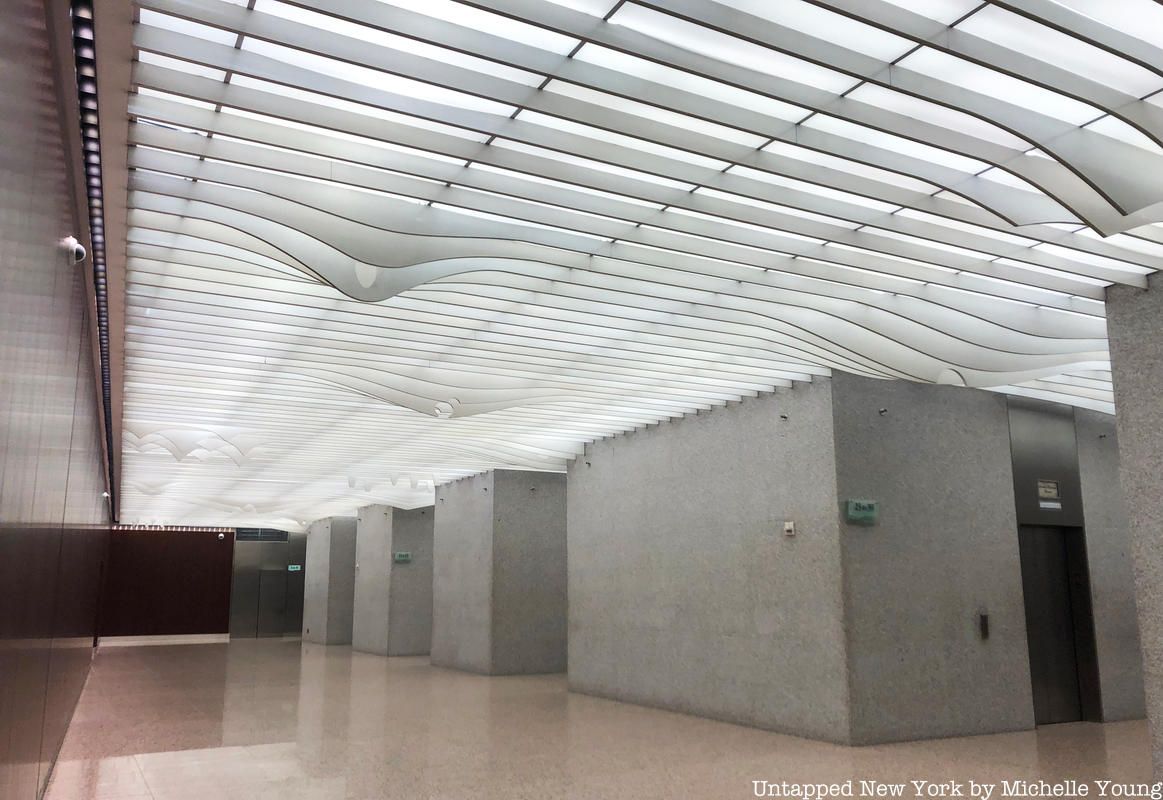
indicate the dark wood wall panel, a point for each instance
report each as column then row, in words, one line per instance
column 54, row 517
column 167, row 583
column 28, row 567
column 50, row 582
column 78, row 595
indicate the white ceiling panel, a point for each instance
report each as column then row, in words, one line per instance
column 379, row 245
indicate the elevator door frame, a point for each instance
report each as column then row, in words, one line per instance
column 1081, row 611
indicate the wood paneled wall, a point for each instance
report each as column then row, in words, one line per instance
column 167, row 583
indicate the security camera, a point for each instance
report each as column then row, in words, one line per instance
column 75, row 249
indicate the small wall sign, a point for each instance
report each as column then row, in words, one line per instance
column 294, row 567
column 862, row 512
column 1049, row 498
column 402, row 557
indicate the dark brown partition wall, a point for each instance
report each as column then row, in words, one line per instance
column 49, row 581
column 167, row 583
column 54, row 517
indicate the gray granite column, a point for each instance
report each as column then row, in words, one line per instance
column 329, row 581
column 1135, row 328
column 410, row 600
column 393, row 581
column 373, row 579
column 499, row 581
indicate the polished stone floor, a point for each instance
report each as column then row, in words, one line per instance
column 257, row 720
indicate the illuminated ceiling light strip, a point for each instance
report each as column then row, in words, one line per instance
column 85, row 61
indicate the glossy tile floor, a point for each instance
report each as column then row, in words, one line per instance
column 272, row 719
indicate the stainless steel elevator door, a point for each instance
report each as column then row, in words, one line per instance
column 266, row 599
column 272, row 602
column 244, row 590
column 296, row 556
column 1050, row 624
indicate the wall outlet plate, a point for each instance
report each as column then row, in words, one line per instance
column 789, row 528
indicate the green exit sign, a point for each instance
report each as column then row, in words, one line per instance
column 403, row 557
column 862, row 512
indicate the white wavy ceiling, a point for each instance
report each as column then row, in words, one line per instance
column 379, row 245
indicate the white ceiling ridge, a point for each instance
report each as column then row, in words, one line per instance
column 652, row 346
column 649, row 167
column 1145, row 117
column 562, row 367
column 255, row 164
column 1106, row 214
column 1058, row 16
column 460, row 38
column 1047, row 348
column 500, row 354
column 436, row 232
column 1069, row 189
column 930, row 344
column 625, row 277
column 823, row 267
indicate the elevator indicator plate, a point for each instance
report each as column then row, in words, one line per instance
column 862, row 512
column 1048, row 490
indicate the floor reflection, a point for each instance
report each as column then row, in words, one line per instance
column 273, row 719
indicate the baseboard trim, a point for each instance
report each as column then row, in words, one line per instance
column 144, row 641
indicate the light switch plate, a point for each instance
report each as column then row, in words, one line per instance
column 789, row 528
